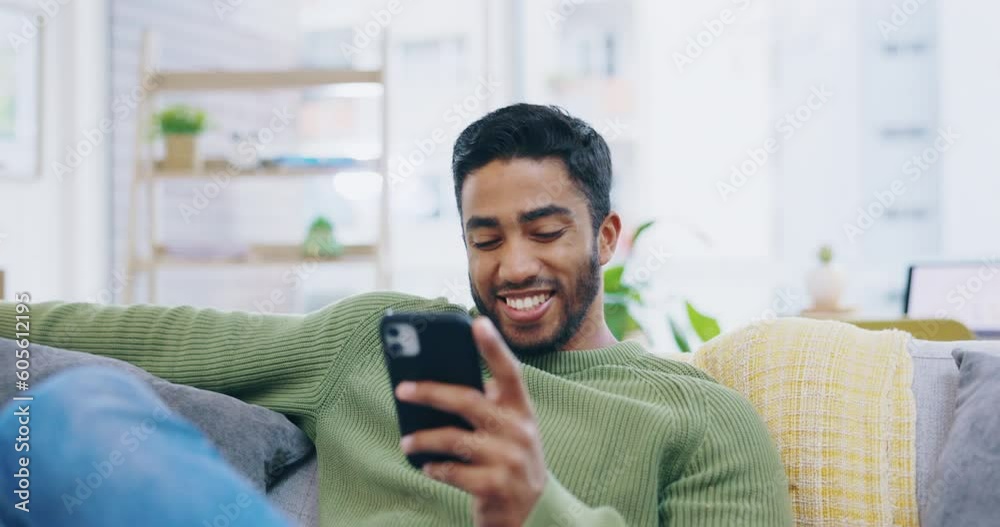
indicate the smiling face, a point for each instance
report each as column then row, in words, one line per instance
column 534, row 260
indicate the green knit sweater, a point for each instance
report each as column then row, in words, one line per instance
column 629, row 438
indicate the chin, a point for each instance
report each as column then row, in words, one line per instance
column 528, row 343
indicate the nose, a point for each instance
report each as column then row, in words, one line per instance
column 518, row 265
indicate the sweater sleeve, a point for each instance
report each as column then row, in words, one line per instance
column 558, row 507
column 735, row 477
column 281, row 362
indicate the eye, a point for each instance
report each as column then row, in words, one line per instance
column 487, row 244
column 550, row 236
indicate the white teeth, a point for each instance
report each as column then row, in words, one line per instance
column 524, row 304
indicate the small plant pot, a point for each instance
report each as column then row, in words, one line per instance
column 182, row 152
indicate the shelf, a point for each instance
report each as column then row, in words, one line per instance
column 260, row 255
column 147, row 256
column 219, row 168
column 261, row 80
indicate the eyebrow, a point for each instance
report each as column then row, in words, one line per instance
column 544, row 212
column 491, row 222
column 481, row 222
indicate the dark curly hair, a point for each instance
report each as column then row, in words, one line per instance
column 538, row 132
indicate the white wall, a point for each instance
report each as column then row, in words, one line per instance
column 57, row 243
column 970, row 86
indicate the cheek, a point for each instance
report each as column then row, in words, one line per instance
column 566, row 259
column 480, row 271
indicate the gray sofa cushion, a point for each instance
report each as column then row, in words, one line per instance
column 259, row 443
column 965, row 490
column 298, row 493
column 935, row 382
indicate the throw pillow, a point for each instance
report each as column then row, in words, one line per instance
column 965, row 489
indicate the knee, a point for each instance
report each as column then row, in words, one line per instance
column 82, row 387
column 91, row 405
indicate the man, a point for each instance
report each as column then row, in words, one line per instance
column 575, row 428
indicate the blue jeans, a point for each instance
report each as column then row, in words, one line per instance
column 105, row 451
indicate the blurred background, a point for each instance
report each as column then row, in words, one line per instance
column 796, row 157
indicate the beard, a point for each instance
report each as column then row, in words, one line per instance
column 575, row 305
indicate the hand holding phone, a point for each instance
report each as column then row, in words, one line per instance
column 502, row 465
column 430, row 347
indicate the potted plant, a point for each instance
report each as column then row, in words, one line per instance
column 180, row 126
column 320, row 241
column 620, row 298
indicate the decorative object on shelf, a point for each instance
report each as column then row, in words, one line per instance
column 180, row 126
column 826, row 284
column 320, row 241
column 620, row 298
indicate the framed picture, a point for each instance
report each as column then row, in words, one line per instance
column 20, row 69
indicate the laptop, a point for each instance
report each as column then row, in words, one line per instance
column 968, row 292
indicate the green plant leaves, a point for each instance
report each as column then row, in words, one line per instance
column 679, row 338
column 180, row 119
column 613, row 279
column 620, row 298
column 704, row 326
column 619, row 320
column 642, row 228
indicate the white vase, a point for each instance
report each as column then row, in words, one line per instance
column 826, row 287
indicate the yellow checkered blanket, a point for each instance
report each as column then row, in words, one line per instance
column 838, row 403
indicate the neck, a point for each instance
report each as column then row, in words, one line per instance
column 593, row 332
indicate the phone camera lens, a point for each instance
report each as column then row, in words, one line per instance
column 395, row 349
column 393, row 332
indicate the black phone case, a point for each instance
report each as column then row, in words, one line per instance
column 448, row 354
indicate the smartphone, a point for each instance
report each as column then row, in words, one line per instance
column 429, row 347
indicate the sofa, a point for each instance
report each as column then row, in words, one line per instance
column 935, row 377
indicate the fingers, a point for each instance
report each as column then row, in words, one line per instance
column 477, row 480
column 491, row 390
column 502, row 363
column 474, row 447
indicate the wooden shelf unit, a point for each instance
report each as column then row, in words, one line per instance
column 213, row 168
column 259, row 255
column 147, row 173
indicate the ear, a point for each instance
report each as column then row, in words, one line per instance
column 607, row 237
